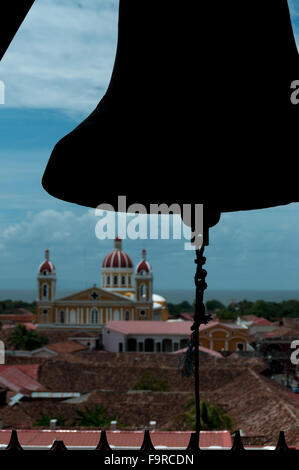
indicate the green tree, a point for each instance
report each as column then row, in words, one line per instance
column 148, row 381
column 8, row 304
column 227, row 314
column 24, row 339
column 244, row 307
column 176, row 309
column 212, row 417
column 212, row 305
column 45, row 418
column 93, row 417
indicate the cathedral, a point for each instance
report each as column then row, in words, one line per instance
column 125, row 294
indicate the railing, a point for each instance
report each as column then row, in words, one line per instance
column 147, row 445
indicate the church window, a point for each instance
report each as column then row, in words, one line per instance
column 142, row 315
column 94, row 316
column 45, row 273
column 127, row 316
column 45, row 312
column 143, row 290
column 123, row 280
column 129, row 280
column 45, row 290
column 115, row 280
column 108, row 280
column 62, row 317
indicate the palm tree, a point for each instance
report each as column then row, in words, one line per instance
column 212, row 417
column 96, row 417
column 27, row 340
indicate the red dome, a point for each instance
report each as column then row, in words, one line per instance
column 47, row 265
column 143, row 265
column 117, row 258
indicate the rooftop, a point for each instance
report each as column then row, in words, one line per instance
column 118, row 439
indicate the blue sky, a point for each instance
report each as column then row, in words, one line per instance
column 55, row 72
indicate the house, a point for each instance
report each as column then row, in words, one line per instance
column 125, row 294
column 20, row 378
column 16, row 317
column 221, row 336
column 171, row 336
column 256, row 325
column 158, row 336
column 63, row 347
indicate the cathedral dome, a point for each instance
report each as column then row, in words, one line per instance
column 117, row 258
column 143, row 266
column 47, row 266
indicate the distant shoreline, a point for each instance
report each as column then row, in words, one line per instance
column 177, row 295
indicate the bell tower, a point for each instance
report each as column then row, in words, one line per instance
column 144, row 280
column 46, row 282
column 46, row 279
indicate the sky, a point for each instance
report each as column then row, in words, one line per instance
column 55, row 72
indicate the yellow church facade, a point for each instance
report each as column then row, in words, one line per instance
column 125, row 294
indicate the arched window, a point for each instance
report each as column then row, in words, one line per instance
column 123, row 280
column 115, row 280
column 62, row 316
column 94, row 316
column 73, row 317
column 143, row 291
column 108, row 280
column 127, row 316
column 45, row 291
column 45, row 273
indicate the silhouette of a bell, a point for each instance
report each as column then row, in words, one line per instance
column 198, row 110
column 13, row 13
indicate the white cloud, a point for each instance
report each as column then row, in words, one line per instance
column 62, row 56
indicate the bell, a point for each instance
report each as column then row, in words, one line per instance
column 13, row 13
column 198, row 110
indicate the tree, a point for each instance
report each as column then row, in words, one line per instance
column 45, row 418
column 149, row 382
column 93, row 417
column 176, row 309
column 212, row 305
column 24, row 339
column 212, row 417
column 226, row 314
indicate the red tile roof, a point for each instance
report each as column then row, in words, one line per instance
column 187, row 316
column 150, row 327
column 262, row 322
column 66, row 347
column 202, row 349
column 76, row 438
column 19, row 315
column 20, row 379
